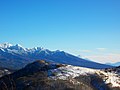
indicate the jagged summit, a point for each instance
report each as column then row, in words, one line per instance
column 8, row 46
column 20, row 47
column 5, row 45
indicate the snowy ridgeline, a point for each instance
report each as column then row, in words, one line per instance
column 70, row 71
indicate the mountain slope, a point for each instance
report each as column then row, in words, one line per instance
column 4, row 71
column 42, row 75
column 114, row 64
column 16, row 57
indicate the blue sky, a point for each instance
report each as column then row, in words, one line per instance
column 90, row 28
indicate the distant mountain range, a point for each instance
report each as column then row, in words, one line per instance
column 16, row 57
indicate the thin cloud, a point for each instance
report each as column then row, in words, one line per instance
column 101, row 49
column 86, row 51
column 111, row 58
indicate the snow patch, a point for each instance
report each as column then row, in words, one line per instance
column 71, row 72
column 112, row 78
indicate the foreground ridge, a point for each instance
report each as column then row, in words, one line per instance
column 49, row 76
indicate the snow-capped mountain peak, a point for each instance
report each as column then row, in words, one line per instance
column 5, row 45
column 38, row 48
column 17, row 47
column 8, row 46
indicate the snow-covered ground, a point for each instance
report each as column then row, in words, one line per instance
column 70, row 71
column 112, row 78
